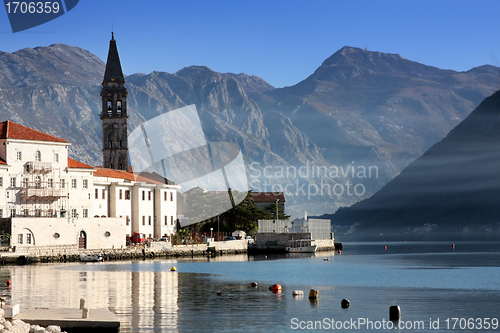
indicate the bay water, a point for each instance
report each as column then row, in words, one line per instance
column 439, row 288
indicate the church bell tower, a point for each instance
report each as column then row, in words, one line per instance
column 114, row 112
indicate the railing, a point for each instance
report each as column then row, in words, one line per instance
column 33, row 193
column 39, row 167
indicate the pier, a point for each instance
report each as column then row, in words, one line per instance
column 70, row 320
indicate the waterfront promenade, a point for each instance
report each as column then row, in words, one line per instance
column 36, row 254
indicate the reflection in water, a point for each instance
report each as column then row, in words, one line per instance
column 147, row 297
column 141, row 300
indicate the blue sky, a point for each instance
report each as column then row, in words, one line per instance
column 283, row 42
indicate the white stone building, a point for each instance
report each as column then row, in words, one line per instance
column 50, row 200
column 147, row 204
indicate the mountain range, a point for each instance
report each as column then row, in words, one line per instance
column 453, row 188
column 360, row 110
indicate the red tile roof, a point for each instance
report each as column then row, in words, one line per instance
column 150, row 178
column 120, row 174
column 77, row 164
column 110, row 173
column 12, row 130
column 267, row 196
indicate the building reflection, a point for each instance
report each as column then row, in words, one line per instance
column 142, row 300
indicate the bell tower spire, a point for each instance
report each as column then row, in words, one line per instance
column 114, row 112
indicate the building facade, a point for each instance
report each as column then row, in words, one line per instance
column 49, row 199
column 264, row 199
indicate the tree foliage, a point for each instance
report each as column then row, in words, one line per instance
column 242, row 217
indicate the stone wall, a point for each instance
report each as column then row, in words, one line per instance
column 47, row 250
column 233, row 245
column 159, row 246
column 324, row 244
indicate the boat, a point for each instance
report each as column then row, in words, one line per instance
column 301, row 246
column 91, row 258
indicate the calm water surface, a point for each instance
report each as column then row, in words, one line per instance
column 428, row 280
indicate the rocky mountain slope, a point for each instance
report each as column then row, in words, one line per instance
column 359, row 110
column 453, row 187
column 379, row 109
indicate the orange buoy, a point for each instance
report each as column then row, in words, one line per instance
column 385, row 247
column 313, row 294
column 339, row 252
column 275, row 288
column 8, row 282
column 452, row 246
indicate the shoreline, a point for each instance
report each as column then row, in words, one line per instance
column 34, row 255
column 14, row 258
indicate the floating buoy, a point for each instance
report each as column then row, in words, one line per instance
column 7, row 282
column 173, row 269
column 298, row 293
column 345, row 304
column 394, row 313
column 339, row 252
column 452, row 246
column 326, row 259
column 218, row 293
column 409, row 248
column 313, row 294
column 385, row 247
column 275, row 288
column 254, row 284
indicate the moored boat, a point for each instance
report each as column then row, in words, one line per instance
column 90, row 258
column 301, row 246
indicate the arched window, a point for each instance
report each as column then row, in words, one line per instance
column 110, row 144
column 119, row 107
column 120, row 144
column 38, row 156
column 110, row 108
column 38, row 182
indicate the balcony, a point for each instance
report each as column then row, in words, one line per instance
column 43, row 193
column 39, row 167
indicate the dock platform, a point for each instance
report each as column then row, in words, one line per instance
column 70, row 320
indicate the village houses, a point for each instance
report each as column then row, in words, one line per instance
column 53, row 202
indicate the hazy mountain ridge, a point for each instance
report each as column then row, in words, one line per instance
column 453, row 187
column 354, row 108
column 380, row 109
